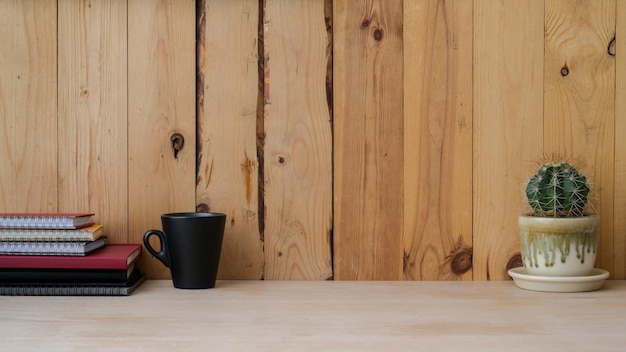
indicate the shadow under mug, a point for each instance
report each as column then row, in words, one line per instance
column 190, row 245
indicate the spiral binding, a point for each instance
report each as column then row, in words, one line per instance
column 36, row 222
column 41, row 248
column 61, row 290
column 33, row 235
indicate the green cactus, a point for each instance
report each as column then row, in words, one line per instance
column 558, row 190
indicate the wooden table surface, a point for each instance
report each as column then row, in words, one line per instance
column 321, row 316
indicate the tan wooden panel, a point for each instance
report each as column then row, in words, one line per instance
column 508, row 128
column 399, row 170
column 228, row 169
column 368, row 140
column 161, row 108
column 580, row 100
column 619, row 44
column 297, row 150
column 92, row 107
column 437, row 140
column 28, row 119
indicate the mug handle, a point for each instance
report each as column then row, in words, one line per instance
column 162, row 254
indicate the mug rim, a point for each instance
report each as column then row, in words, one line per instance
column 192, row 215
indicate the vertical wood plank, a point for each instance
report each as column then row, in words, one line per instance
column 508, row 125
column 28, row 118
column 437, row 140
column 92, row 107
column 297, row 147
column 580, row 100
column 368, row 140
column 227, row 179
column 161, row 105
column 619, row 45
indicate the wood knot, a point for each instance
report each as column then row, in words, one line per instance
column 564, row 70
column 178, row 142
column 514, row 262
column 461, row 261
column 378, row 34
column 365, row 24
column 203, row 208
column 611, row 48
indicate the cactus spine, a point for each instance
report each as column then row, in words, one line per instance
column 558, row 190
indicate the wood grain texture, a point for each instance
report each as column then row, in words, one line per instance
column 297, row 148
column 437, row 140
column 329, row 316
column 619, row 210
column 161, row 109
column 579, row 100
column 28, row 119
column 92, row 106
column 368, row 140
column 227, row 179
column 403, row 166
column 508, row 126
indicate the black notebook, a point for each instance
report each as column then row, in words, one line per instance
column 19, row 275
column 73, row 288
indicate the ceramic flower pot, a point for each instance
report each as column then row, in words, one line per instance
column 558, row 246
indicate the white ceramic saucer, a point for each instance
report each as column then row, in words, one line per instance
column 591, row 282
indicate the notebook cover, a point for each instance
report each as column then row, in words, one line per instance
column 79, row 248
column 66, row 275
column 45, row 220
column 112, row 256
column 74, row 289
column 89, row 233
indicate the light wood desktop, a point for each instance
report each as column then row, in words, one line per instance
column 321, row 316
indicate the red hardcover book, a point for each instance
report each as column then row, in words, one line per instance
column 112, row 256
column 45, row 220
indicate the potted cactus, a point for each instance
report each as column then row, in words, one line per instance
column 558, row 236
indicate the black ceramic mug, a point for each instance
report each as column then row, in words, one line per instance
column 191, row 244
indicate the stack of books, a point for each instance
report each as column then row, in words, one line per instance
column 49, row 234
column 63, row 254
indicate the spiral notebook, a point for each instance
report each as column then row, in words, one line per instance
column 89, row 233
column 45, row 220
column 50, row 247
column 72, row 289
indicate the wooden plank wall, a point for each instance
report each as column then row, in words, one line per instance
column 508, row 127
column 619, row 228
column 297, row 144
column 28, row 132
column 228, row 169
column 437, row 140
column 92, row 115
column 368, row 140
column 161, row 115
column 579, row 97
column 354, row 140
